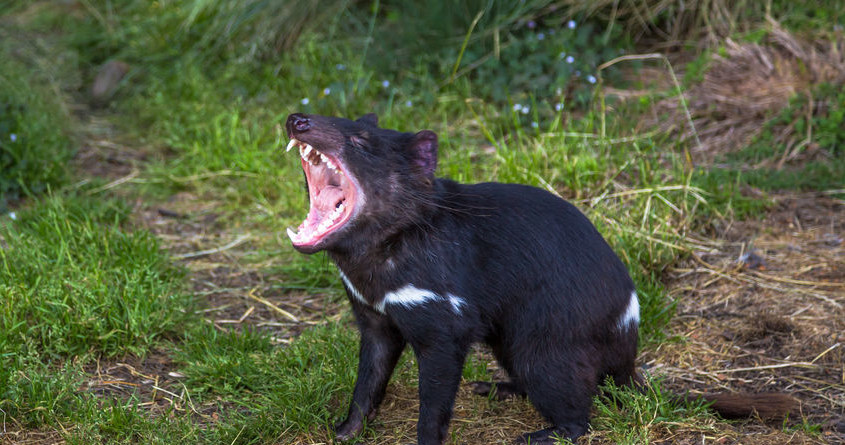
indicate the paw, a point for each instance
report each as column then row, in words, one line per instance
column 347, row 430
column 548, row 436
column 481, row 388
column 500, row 390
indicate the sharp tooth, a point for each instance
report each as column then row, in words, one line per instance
column 292, row 235
column 307, row 150
column 324, row 158
column 291, row 144
column 331, row 165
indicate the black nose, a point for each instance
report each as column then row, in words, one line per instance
column 298, row 123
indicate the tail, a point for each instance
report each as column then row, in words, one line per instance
column 766, row 405
column 742, row 405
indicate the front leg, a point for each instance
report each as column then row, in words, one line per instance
column 381, row 346
column 440, row 367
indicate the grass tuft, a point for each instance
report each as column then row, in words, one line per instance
column 628, row 416
column 74, row 283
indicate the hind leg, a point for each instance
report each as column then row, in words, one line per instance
column 620, row 364
column 562, row 392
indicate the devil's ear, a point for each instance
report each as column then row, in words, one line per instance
column 424, row 150
column 369, row 119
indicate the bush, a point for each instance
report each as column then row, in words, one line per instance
column 34, row 142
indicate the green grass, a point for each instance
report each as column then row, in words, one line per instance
column 73, row 282
column 630, row 416
column 76, row 287
column 210, row 84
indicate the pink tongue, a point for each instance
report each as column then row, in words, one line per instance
column 328, row 199
column 323, row 205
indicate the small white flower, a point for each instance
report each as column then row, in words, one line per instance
column 534, row 125
column 409, row 104
column 340, row 67
column 526, row 109
column 385, row 83
column 541, row 36
column 327, row 91
column 13, row 215
column 571, row 24
column 558, row 106
column 517, row 107
column 304, row 101
column 13, row 137
column 570, row 59
column 591, row 78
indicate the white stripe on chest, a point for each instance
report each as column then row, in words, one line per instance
column 352, row 289
column 407, row 296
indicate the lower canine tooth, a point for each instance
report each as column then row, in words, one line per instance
column 292, row 235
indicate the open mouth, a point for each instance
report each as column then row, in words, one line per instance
column 331, row 192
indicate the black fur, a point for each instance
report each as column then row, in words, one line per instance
column 537, row 282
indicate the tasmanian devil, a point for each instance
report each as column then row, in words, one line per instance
column 441, row 265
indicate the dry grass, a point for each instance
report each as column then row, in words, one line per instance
column 102, row 154
column 749, row 84
column 31, row 437
column 476, row 420
column 672, row 21
column 764, row 310
column 235, row 292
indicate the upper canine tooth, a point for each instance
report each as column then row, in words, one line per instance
column 291, row 144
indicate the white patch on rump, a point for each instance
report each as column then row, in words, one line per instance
column 352, row 289
column 409, row 296
column 632, row 312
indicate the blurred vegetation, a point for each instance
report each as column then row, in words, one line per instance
column 817, row 133
column 35, row 144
